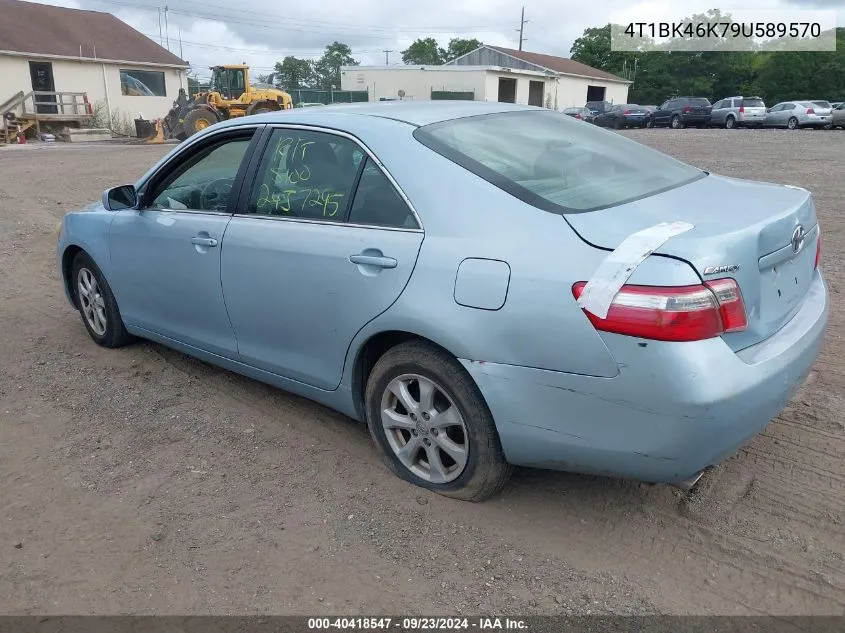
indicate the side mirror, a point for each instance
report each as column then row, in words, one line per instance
column 122, row 197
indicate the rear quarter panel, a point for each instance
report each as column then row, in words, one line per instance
column 464, row 216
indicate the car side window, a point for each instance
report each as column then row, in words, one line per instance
column 305, row 174
column 378, row 203
column 665, row 105
column 718, row 105
column 204, row 181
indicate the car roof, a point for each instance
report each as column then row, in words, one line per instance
column 415, row 113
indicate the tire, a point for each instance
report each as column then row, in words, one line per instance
column 199, row 119
column 261, row 107
column 649, row 122
column 104, row 325
column 676, row 123
column 792, row 124
column 484, row 470
column 730, row 123
column 617, row 125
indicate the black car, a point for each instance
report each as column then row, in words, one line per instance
column 585, row 114
column 598, row 107
column 679, row 112
column 623, row 115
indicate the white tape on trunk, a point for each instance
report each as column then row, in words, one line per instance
column 617, row 267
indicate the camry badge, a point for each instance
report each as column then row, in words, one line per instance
column 717, row 270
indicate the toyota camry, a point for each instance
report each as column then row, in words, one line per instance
column 484, row 285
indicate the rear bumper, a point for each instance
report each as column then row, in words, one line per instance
column 744, row 119
column 673, row 410
column 695, row 118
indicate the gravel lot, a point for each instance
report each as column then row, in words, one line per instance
column 141, row 481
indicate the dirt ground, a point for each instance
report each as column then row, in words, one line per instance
column 141, row 481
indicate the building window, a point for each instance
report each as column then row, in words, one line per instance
column 142, row 83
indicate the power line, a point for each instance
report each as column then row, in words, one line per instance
column 292, row 24
column 265, row 51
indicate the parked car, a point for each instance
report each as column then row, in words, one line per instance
column 312, row 249
column 838, row 116
column 585, row 114
column 623, row 115
column 835, row 104
column 679, row 112
column 735, row 112
column 649, row 121
column 824, row 108
column 796, row 114
column 598, row 107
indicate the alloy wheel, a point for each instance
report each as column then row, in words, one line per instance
column 91, row 300
column 424, row 428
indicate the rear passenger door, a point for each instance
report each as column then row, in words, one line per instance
column 322, row 243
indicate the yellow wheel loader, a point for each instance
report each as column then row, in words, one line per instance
column 230, row 95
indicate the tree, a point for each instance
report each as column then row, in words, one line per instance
column 593, row 49
column 457, row 47
column 424, row 52
column 294, row 73
column 328, row 66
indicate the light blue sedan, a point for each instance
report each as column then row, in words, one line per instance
column 483, row 284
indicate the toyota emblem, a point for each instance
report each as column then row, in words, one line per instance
column 798, row 236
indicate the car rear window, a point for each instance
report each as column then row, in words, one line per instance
column 809, row 104
column 699, row 102
column 753, row 103
column 550, row 161
column 822, row 104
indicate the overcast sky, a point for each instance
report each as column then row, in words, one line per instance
column 261, row 32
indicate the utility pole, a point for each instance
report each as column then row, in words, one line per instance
column 181, row 56
column 167, row 32
column 522, row 22
column 387, row 53
column 160, row 35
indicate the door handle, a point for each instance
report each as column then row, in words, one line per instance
column 372, row 260
column 204, row 241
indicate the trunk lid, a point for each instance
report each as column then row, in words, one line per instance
column 738, row 223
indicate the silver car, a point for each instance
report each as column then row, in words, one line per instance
column 824, row 108
column 838, row 116
column 482, row 284
column 797, row 114
column 735, row 112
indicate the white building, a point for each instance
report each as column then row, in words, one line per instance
column 70, row 52
column 492, row 73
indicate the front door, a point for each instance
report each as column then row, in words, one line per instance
column 41, row 75
column 314, row 256
column 166, row 255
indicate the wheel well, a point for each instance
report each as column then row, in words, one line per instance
column 67, row 270
column 368, row 356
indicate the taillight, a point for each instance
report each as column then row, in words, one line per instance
column 626, row 112
column 673, row 313
column 810, row 111
column 741, row 109
column 578, row 116
column 687, row 109
column 818, row 251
